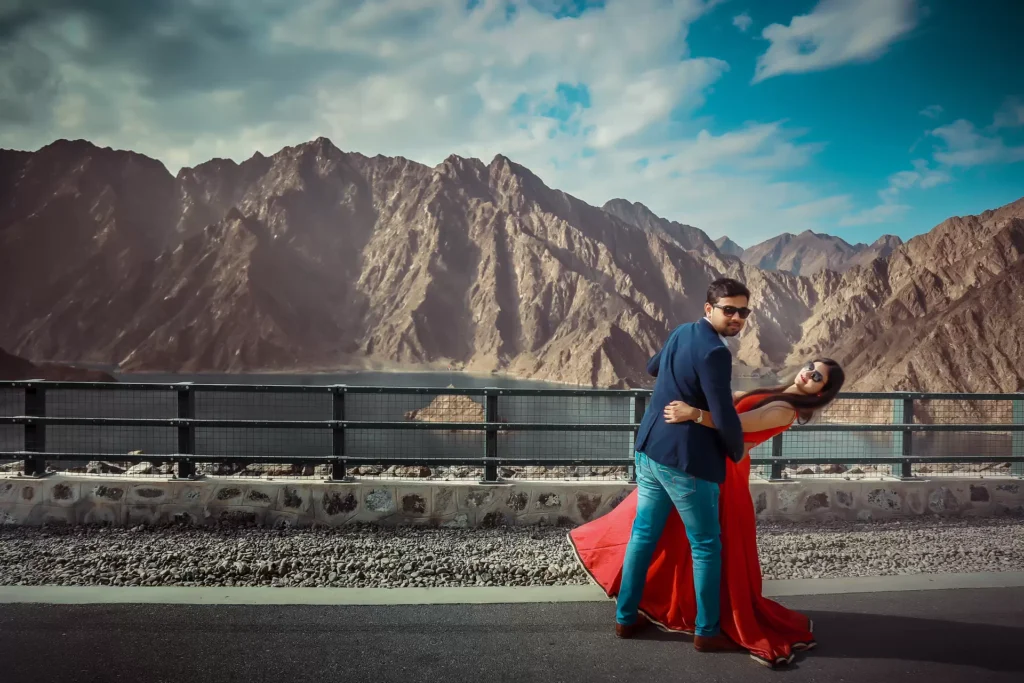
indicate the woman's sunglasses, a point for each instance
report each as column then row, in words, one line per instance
column 815, row 375
column 730, row 311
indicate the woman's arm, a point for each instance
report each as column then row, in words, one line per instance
column 775, row 414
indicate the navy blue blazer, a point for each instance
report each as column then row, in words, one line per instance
column 694, row 366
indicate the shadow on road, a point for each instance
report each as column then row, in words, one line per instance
column 842, row 635
column 845, row 635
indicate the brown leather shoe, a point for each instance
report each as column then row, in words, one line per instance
column 719, row 643
column 623, row 631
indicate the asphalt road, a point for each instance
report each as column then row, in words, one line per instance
column 934, row 636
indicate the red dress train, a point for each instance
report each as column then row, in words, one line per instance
column 770, row 632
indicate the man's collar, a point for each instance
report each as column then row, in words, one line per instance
column 715, row 331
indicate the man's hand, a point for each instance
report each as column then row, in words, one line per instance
column 678, row 411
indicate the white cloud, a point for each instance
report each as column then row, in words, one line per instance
column 743, row 22
column 424, row 79
column 1010, row 115
column 964, row 145
column 882, row 213
column 835, row 32
column 889, row 208
column 932, row 111
column 922, row 176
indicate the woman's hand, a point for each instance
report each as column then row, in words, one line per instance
column 678, row 411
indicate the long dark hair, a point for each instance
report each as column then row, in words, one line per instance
column 804, row 405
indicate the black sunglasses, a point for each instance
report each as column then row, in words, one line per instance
column 815, row 375
column 730, row 311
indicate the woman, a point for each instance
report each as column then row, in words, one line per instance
column 770, row 632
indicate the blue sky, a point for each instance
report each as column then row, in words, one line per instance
column 960, row 62
column 851, row 117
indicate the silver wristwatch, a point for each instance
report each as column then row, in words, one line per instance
column 700, row 416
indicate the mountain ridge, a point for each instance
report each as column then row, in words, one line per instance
column 316, row 257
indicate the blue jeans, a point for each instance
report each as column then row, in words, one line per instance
column 659, row 487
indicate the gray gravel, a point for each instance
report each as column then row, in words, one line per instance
column 369, row 556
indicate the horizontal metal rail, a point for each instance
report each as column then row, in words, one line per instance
column 567, row 392
column 916, row 459
column 79, row 456
column 325, row 458
column 320, row 424
column 468, row 426
column 318, row 389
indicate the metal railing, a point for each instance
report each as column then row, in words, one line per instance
column 187, row 430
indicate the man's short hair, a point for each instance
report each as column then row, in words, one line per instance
column 726, row 287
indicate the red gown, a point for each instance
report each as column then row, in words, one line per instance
column 770, row 632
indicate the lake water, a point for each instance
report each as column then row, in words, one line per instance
column 411, row 444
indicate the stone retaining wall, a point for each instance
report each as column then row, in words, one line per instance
column 76, row 499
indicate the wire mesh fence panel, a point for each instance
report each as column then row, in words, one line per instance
column 124, row 403
column 859, row 411
column 12, row 401
column 591, row 447
column 847, row 454
column 263, row 442
column 981, row 450
column 109, row 442
column 616, row 409
column 593, row 472
column 957, row 411
column 413, row 447
column 264, row 468
column 313, row 404
column 12, row 437
column 149, row 449
column 409, row 450
column 12, row 440
column 251, row 451
column 414, row 407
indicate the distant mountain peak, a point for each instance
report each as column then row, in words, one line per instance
column 728, row 247
column 640, row 216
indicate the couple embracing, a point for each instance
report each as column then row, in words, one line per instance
column 681, row 550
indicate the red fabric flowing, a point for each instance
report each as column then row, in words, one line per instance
column 769, row 631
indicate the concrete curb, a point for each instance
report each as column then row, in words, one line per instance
column 173, row 595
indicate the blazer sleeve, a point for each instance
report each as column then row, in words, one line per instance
column 654, row 363
column 715, row 372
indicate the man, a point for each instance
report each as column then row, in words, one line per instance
column 683, row 464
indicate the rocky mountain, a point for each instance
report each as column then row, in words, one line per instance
column 636, row 214
column 880, row 248
column 941, row 313
column 810, row 252
column 728, row 247
column 318, row 259
column 13, row 368
column 68, row 213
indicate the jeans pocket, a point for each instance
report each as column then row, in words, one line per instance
column 683, row 485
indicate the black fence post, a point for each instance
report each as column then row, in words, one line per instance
column 338, row 472
column 491, row 442
column 35, row 432
column 639, row 408
column 776, row 453
column 906, row 467
column 186, row 432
